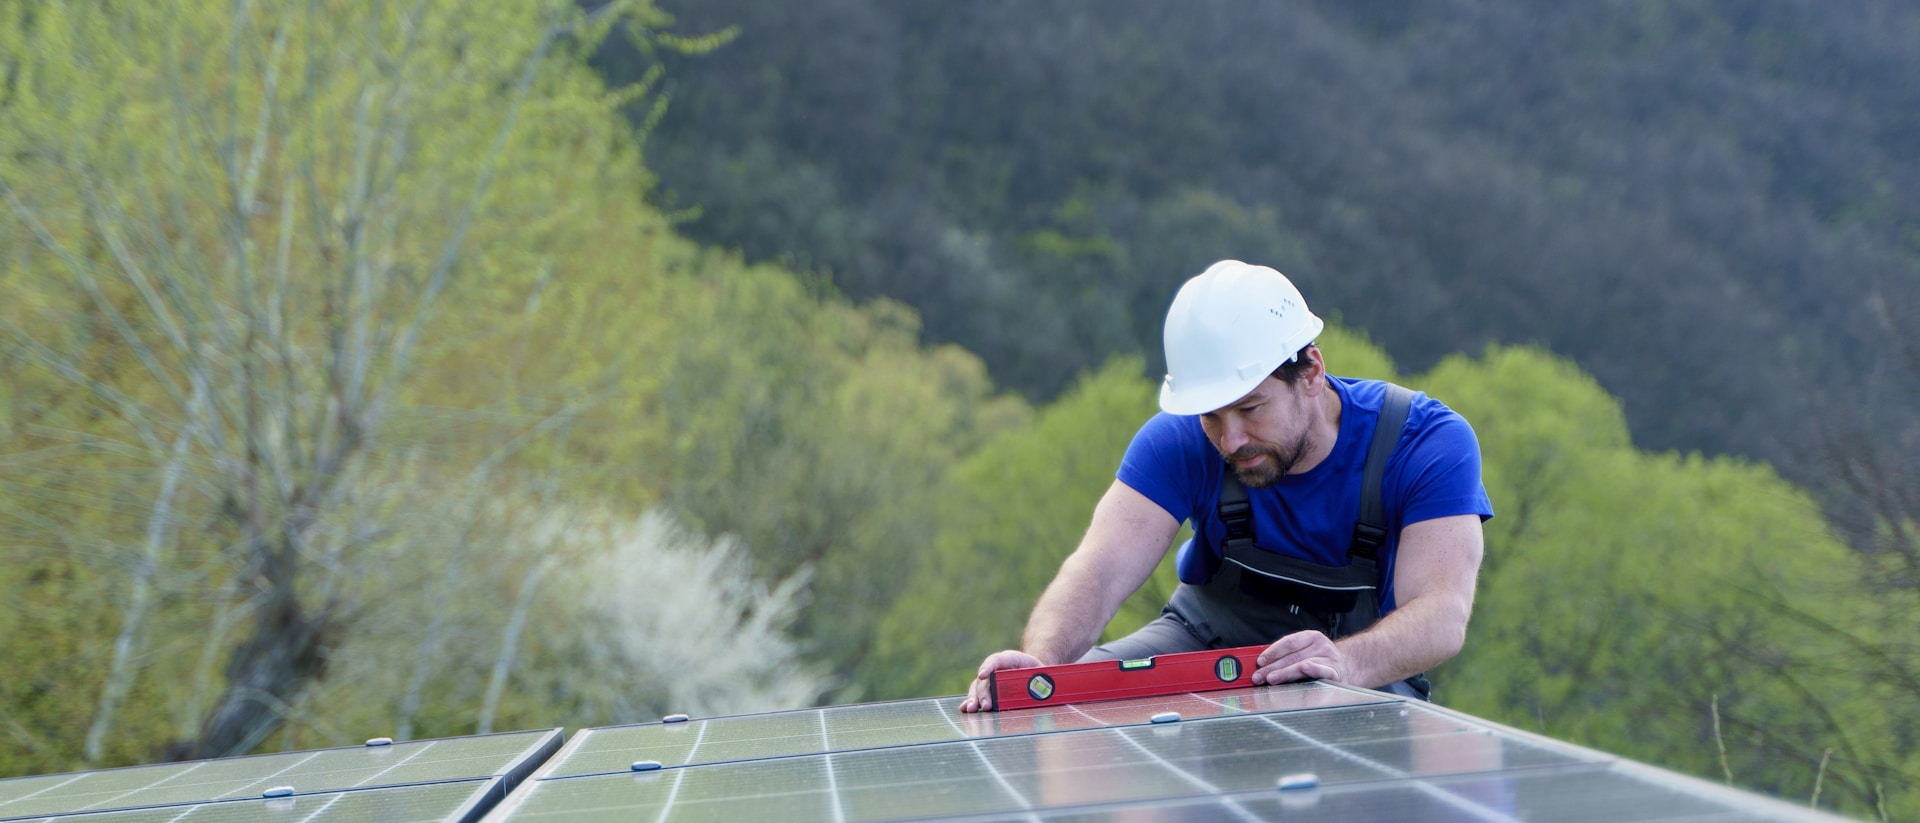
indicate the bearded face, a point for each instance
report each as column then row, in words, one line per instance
column 1260, row 465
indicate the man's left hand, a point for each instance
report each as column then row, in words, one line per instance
column 1299, row 656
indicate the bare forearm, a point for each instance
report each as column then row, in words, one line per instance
column 1068, row 619
column 1128, row 536
column 1438, row 566
column 1412, row 639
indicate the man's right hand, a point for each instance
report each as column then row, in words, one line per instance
column 980, row 694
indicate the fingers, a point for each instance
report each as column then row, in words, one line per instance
column 1299, row 656
column 980, row 693
column 1290, row 645
column 1009, row 659
column 1304, row 670
column 979, row 698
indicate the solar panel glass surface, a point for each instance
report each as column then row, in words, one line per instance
column 1363, row 754
column 1370, row 755
column 407, row 804
column 309, row 772
column 1584, row 794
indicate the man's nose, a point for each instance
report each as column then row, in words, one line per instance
column 1232, row 436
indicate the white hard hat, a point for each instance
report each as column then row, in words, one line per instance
column 1230, row 327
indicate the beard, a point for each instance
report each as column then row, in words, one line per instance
column 1266, row 473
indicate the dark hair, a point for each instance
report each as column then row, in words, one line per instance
column 1290, row 370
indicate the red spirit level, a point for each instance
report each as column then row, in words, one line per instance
column 1114, row 679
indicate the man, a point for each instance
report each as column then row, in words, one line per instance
column 1265, row 453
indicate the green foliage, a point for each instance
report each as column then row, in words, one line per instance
column 228, row 264
column 626, row 618
column 1049, row 243
column 1678, row 197
column 1628, row 597
column 814, row 431
column 214, row 267
column 1007, row 516
column 1350, row 354
column 817, row 437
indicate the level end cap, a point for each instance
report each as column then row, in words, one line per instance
column 674, row 718
column 1297, row 782
column 645, row 765
column 278, row 791
column 379, row 741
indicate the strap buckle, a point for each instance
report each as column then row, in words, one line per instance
column 1237, row 516
column 1367, row 540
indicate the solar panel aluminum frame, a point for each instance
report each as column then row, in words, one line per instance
column 518, row 772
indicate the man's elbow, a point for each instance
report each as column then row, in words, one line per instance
column 1451, row 641
column 1450, row 635
column 1445, row 629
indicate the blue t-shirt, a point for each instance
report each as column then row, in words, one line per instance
column 1434, row 472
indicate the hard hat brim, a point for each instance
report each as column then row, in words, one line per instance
column 1203, row 399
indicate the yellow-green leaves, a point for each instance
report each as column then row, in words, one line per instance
column 1626, row 597
column 376, row 285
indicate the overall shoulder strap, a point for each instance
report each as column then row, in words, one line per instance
column 1370, row 531
column 1235, row 512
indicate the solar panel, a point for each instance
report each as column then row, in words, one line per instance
column 482, row 766
column 898, row 723
column 1305, row 750
column 1340, row 751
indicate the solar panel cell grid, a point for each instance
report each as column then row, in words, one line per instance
column 1401, row 803
column 1356, row 754
column 892, row 724
column 1223, row 754
column 437, row 802
column 186, row 782
column 793, row 789
column 1593, row 796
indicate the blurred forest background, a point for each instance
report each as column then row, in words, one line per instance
column 428, row 368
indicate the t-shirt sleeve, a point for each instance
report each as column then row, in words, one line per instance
column 1441, row 477
column 1158, row 464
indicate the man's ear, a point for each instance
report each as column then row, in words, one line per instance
column 1315, row 376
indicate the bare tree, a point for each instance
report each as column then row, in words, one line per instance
column 268, row 243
